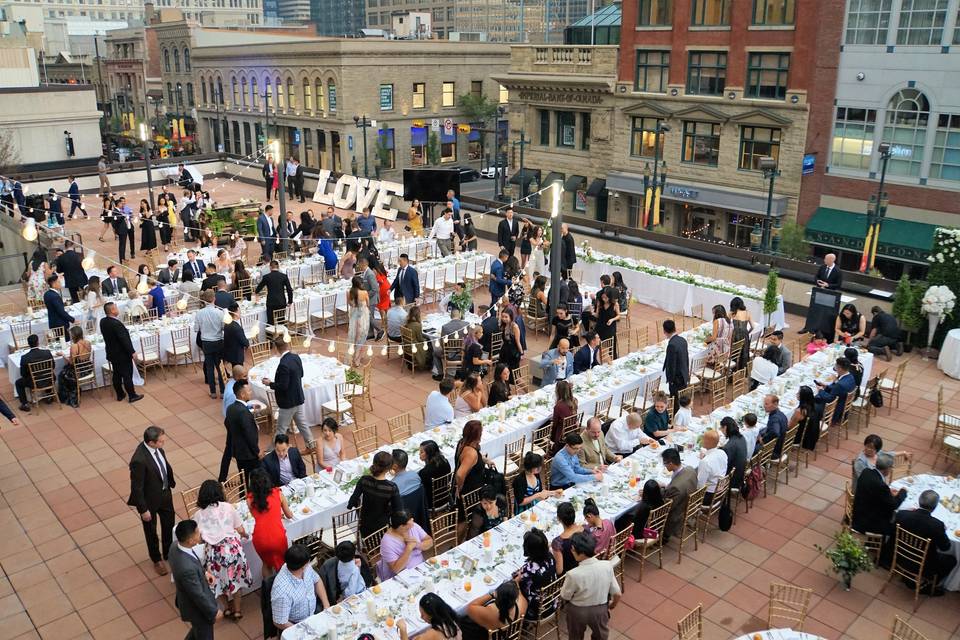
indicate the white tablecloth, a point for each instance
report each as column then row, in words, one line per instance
column 948, row 511
column 949, row 360
column 320, row 377
column 780, row 634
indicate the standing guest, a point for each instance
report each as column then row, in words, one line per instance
column 525, row 247
column 170, row 273
column 235, row 341
column 293, row 596
column 166, row 220
column 298, row 179
column 229, row 397
column 222, row 298
column 683, row 482
column 742, row 328
column 268, row 506
column 435, row 466
column 331, row 443
column 601, row 529
column 829, row 275
column 73, row 193
column 874, row 502
column 284, row 464
column 376, row 496
column 407, row 281
column 123, row 227
column 269, row 172
column 33, row 355
column 591, row 591
column 194, row 266
column 402, row 545
column 266, row 233
column 473, row 353
column 438, row 409
column 566, row 469
column 151, row 482
column 208, row 322
column 148, row 230
column 940, row 561
column 626, row 434
column 488, row 613
column 718, row 350
column 595, row 453
column 54, row 209
column 589, row 355
column 564, row 327
column 93, row 299
column 57, row 315
column 884, row 333
column 288, row 386
column 102, row 173
column 221, row 530
column 776, row 427
column 366, row 223
column 564, row 408
column 358, row 313
column 70, row 264
column 736, row 450
column 119, row 352
column 194, row 599
column 107, row 216
column 511, row 351
column 713, row 464
column 568, row 252
column 508, row 230
column 290, row 175
column 279, row 291
column 469, row 239
column 676, row 363
column 468, row 467
column 442, row 232
column 608, row 313
column 114, row 284
column 237, row 247
column 415, row 219
column 499, row 280
column 537, row 572
column 348, row 260
column 369, row 278
column 242, row 433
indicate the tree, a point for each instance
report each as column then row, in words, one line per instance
column 382, row 154
column 792, row 241
column 770, row 298
column 433, row 148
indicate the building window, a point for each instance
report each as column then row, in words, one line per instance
column 655, row 13
column 853, row 138
column 767, row 75
column 170, row 93
column 476, row 88
column 905, row 131
column 307, row 96
column 585, row 131
column 653, row 71
column 868, row 21
column 235, row 91
column 186, row 60
column 219, row 91
column 773, row 12
column 448, row 147
column 385, row 153
column 419, row 95
column 756, row 143
column 643, row 134
column 544, row 116
column 291, row 95
column 701, row 143
column 166, row 61
column 921, row 22
column 707, row 73
column 504, row 95
column 386, row 97
column 176, row 60
column 332, row 96
column 711, row 13
column 254, row 94
column 418, row 146
column 448, row 94
column 281, row 99
column 190, row 99
column 956, row 31
column 243, row 92
column 566, row 129
column 321, row 98
column 946, row 148
column 268, row 103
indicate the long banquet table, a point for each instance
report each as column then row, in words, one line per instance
column 948, row 511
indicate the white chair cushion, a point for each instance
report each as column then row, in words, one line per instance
column 952, row 441
column 887, row 383
column 332, row 405
column 946, row 418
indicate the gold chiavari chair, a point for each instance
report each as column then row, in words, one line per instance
column 36, row 304
column 909, row 556
column 624, row 338
column 826, row 422
column 738, row 385
column 496, row 343
column 781, row 466
column 601, row 410
column 365, row 439
column 443, row 530
column 617, row 552
column 945, row 418
column 314, row 544
column 607, row 349
column 20, row 332
column 149, row 355
column 327, row 315
column 340, row 406
column 370, row 546
column 891, row 388
column 235, row 487
column 56, row 334
column 707, row 511
column 521, row 379
column 277, row 323
column 407, row 360
column 628, row 402
column 691, row 517
column 645, row 547
column 441, row 493
column 690, row 626
column 180, row 350
column 44, row 379
column 718, row 393
column 361, row 394
column 902, row 465
column 400, row 427
column 571, row 424
column 189, row 498
column 545, row 471
column 280, row 256
column 540, row 442
column 510, row 631
column 86, row 373
column 872, row 542
column 788, row 603
column 765, row 460
column 261, row 351
column 641, row 337
column 513, row 455
column 903, row 631
column 471, row 499
column 344, row 527
column 548, row 617
column 535, row 316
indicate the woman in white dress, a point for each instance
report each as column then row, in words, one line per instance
column 537, row 264
column 94, row 304
column 358, row 306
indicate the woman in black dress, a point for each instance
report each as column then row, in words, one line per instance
column 850, row 326
column 525, row 247
column 148, row 231
column 435, row 465
column 468, row 467
column 500, row 388
column 807, row 417
column 376, row 496
column 563, row 327
column 512, row 350
column 469, row 241
column 608, row 311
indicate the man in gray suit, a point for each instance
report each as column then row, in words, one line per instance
column 557, row 363
column 682, row 483
column 194, row 598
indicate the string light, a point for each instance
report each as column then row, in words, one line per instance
column 413, row 348
column 29, row 232
column 182, row 303
column 286, row 336
column 332, row 347
column 351, row 350
column 383, row 351
column 88, row 260
column 370, row 351
column 142, row 287
column 436, row 343
column 227, row 317
column 306, row 342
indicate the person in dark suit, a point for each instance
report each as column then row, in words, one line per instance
column 279, row 291
column 845, row 384
column 123, row 228
column 874, row 504
column 284, row 463
column 25, row 381
column 184, row 177
column 829, row 275
column 151, row 485
column 120, row 353
column 507, row 232
column 266, row 233
column 269, row 171
column 235, row 341
column 194, row 598
column 57, row 315
column 170, row 273
column 55, row 207
column 242, row 432
column 588, row 356
column 498, row 281
column 73, row 193
column 920, row 522
column 568, row 251
column 683, row 482
column 70, row 264
column 298, row 180
column 114, row 284
column 676, row 364
column 288, row 385
column 490, row 325
column 407, row 280
column 212, row 278
column 194, row 266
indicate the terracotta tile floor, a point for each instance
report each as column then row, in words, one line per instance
column 74, row 563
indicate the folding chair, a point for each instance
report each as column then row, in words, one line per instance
column 909, row 556
column 788, row 603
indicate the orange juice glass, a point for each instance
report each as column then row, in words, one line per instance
column 467, row 586
column 633, row 482
column 390, row 621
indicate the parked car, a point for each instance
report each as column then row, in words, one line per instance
column 492, row 172
column 467, row 174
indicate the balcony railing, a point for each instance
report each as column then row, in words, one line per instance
column 598, row 60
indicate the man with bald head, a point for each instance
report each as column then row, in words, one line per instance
column 557, row 363
column 713, row 464
column 829, row 275
column 595, row 453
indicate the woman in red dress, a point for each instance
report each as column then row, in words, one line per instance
column 383, row 304
column 268, row 506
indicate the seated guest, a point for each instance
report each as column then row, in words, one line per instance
column 211, row 279
column 601, row 529
column 454, row 328
column 595, row 453
column 486, row 613
column 296, row 587
column 776, row 427
column 850, row 325
column 34, row 355
column 561, row 545
column 222, row 298
column 396, row 318
column 136, row 309
column 438, row 409
column 284, row 464
column 713, row 464
column 538, row 570
column 784, row 357
column 528, row 489
column 940, row 560
column 189, row 288
column 435, row 465
column 443, row 620
column 474, row 359
column 867, row 458
column 588, row 356
column 765, row 367
column 656, row 422
column 375, row 495
column 751, row 433
column 852, row 354
column 345, row 577
column 331, row 443
column 155, row 297
column 683, row 415
column 736, row 450
column 683, row 482
column 845, row 384
column 565, row 407
column 625, row 434
column 402, row 545
column 500, row 387
column 472, row 398
column 873, row 503
column 489, row 513
column 651, row 497
column 566, row 470
column 407, row 481
column 557, row 364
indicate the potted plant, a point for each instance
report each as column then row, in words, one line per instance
column 848, row 557
column 770, row 298
column 906, row 308
column 462, row 300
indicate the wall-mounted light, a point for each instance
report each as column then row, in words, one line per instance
column 794, row 99
column 861, row 76
column 674, row 92
column 732, row 95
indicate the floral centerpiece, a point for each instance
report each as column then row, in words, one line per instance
column 937, row 302
column 462, row 300
column 587, row 252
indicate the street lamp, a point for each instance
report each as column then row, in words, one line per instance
column 145, row 139
column 876, row 211
column 497, row 189
column 176, row 123
column 770, row 172
column 652, row 188
column 280, row 166
column 363, row 122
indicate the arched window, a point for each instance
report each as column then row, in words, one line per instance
column 254, row 94
column 321, row 99
column 905, row 130
column 243, row 92
column 166, row 61
column 235, row 92
column 190, row 99
column 170, row 94
column 307, row 96
column 268, row 104
column 220, row 92
column 213, row 93
column 281, row 103
column 176, row 60
column 291, row 95
column 186, row 59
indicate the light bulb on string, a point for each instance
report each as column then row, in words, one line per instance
column 383, row 351
column 332, row 347
column 227, row 317
column 399, row 350
column 436, row 344
column 286, row 336
column 142, row 287
column 413, row 348
column 446, row 339
column 88, row 260
column 182, row 303
column 306, row 342
column 351, row 350
column 29, row 231
column 370, row 351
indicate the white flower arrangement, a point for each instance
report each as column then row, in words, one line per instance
column 938, row 300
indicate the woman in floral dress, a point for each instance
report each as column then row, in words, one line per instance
column 221, row 529
column 537, row 572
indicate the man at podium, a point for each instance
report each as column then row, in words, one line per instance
column 829, row 275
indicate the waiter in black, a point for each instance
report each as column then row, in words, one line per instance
column 120, row 353
column 829, row 275
column 151, row 481
column 279, row 291
column 70, row 264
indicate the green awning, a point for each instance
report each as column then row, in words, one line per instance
column 903, row 240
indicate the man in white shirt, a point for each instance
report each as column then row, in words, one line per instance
column 443, row 232
column 590, row 589
column 438, row 410
column 713, row 464
column 626, row 434
column 396, row 318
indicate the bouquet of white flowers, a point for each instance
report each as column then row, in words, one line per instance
column 938, row 300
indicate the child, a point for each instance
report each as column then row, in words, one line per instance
column 750, row 431
column 602, row 529
column 683, row 416
column 136, row 310
column 348, row 570
column 818, row 343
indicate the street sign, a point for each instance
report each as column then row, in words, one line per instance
column 296, row 136
column 809, row 163
column 448, row 126
column 463, row 128
column 435, row 124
